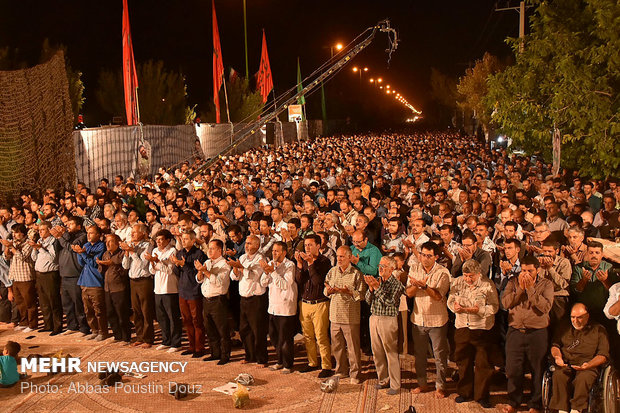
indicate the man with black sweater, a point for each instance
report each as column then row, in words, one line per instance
column 312, row 268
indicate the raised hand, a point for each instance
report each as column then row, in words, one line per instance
column 602, row 275
column 458, row 309
column 505, row 266
column 372, row 282
column 78, row 249
column 266, row 267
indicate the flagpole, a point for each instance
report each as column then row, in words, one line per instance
column 227, row 110
column 279, row 137
column 245, row 33
column 137, row 105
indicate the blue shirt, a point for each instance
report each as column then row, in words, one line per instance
column 90, row 275
column 8, row 370
column 189, row 289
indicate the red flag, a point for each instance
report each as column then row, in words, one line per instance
column 264, row 81
column 130, row 77
column 218, row 66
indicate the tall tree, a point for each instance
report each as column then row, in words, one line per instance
column 444, row 94
column 473, row 89
column 567, row 77
column 162, row 95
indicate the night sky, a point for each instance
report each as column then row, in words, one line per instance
column 447, row 36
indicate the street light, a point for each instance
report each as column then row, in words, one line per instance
column 337, row 46
column 379, row 80
column 360, row 70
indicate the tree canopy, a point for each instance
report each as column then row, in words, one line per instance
column 568, row 78
column 74, row 77
column 472, row 89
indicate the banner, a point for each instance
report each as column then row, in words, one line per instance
column 264, row 81
column 295, row 113
column 130, row 77
column 218, row 66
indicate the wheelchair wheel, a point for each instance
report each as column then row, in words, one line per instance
column 610, row 390
column 546, row 389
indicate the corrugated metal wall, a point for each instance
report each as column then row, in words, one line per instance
column 110, row 151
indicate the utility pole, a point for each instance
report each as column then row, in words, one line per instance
column 521, row 9
column 245, row 37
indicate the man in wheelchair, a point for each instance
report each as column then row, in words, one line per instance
column 579, row 349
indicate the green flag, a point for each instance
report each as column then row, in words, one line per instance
column 301, row 100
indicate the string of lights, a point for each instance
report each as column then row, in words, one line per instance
column 389, row 90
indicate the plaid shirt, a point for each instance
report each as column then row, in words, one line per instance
column 385, row 300
column 21, row 267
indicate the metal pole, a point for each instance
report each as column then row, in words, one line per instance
column 245, row 34
column 137, row 105
column 227, row 109
column 521, row 9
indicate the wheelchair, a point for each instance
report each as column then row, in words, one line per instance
column 603, row 396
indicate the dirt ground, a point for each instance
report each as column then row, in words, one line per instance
column 271, row 392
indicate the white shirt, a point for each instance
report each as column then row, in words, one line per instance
column 46, row 258
column 426, row 311
column 282, row 288
column 614, row 296
column 124, row 234
column 136, row 263
column 249, row 281
column 165, row 280
column 278, row 228
column 218, row 282
column 413, row 259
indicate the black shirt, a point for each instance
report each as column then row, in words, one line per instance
column 311, row 279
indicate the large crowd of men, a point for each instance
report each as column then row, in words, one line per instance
column 358, row 242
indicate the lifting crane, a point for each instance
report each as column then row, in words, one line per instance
column 322, row 74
